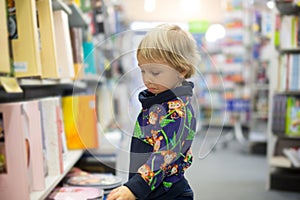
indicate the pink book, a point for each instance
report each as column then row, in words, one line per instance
column 77, row 193
column 33, row 123
column 14, row 153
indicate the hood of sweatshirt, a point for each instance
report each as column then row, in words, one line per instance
column 148, row 99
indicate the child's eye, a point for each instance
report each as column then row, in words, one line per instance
column 155, row 73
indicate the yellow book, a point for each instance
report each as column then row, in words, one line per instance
column 47, row 36
column 4, row 50
column 26, row 53
column 80, row 121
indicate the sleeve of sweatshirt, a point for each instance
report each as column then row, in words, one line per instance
column 171, row 139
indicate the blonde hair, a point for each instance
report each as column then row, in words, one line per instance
column 171, row 45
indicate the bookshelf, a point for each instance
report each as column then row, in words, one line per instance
column 53, row 20
column 284, row 90
column 35, row 86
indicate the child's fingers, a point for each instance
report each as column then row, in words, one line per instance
column 112, row 195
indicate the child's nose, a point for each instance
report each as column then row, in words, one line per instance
column 147, row 79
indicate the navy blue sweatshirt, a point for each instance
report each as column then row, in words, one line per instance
column 161, row 144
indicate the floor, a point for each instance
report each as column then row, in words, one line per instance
column 230, row 173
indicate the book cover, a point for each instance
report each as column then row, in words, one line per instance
column 275, row 114
column 32, row 118
column 293, row 116
column 286, row 32
column 4, row 51
column 14, row 153
column 48, row 52
column 80, row 120
column 294, row 72
column 283, row 72
column 282, row 113
column 77, row 193
column 280, row 161
column 61, row 130
column 63, row 44
column 77, row 51
column 89, row 59
column 50, row 127
column 293, row 155
column 25, row 44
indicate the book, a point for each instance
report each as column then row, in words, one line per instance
column 4, row 52
column 14, row 153
column 25, row 43
column 293, row 155
column 48, row 53
column 80, row 121
column 279, row 114
column 76, row 193
column 293, row 116
column 63, row 44
column 280, row 161
column 51, row 126
column 89, row 59
column 77, row 51
column 106, row 182
column 33, row 124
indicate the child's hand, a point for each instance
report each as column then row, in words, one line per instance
column 121, row 193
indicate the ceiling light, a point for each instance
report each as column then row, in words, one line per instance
column 149, row 5
column 271, row 4
column 215, row 32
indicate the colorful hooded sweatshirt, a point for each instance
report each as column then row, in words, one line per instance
column 161, row 143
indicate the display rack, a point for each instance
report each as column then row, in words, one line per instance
column 225, row 94
column 260, row 24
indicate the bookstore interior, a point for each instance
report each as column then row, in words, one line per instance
column 68, row 101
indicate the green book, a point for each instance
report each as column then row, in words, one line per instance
column 293, row 116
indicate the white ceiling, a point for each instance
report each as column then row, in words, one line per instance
column 174, row 10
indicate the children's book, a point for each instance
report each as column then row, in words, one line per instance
column 80, row 121
column 32, row 121
column 76, row 193
column 293, row 116
column 51, row 127
column 4, row 51
column 25, row 41
column 48, row 51
column 63, row 44
column 15, row 148
column 77, row 50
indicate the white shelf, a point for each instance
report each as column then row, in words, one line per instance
column 45, row 82
column 51, row 181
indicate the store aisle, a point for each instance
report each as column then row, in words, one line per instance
column 231, row 174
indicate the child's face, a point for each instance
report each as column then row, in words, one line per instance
column 159, row 77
